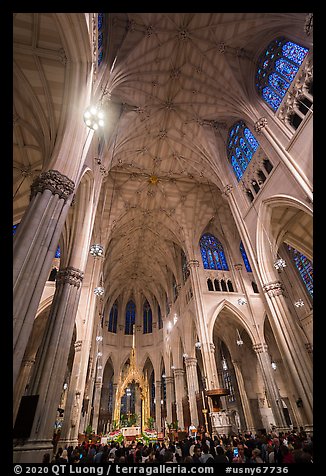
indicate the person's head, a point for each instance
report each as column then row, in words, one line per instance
column 255, row 452
column 46, row 458
column 241, row 449
column 197, row 451
column 219, row 450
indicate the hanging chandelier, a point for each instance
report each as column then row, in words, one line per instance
column 94, row 117
column 239, row 340
column 279, row 264
column 96, row 250
column 299, row 303
column 242, row 301
column 99, row 291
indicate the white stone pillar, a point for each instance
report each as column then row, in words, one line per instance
column 96, row 404
column 243, row 396
column 179, row 394
column 34, row 247
column 272, row 391
column 169, row 398
column 48, row 378
column 201, row 326
column 158, row 406
column 193, row 388
column 294, row 353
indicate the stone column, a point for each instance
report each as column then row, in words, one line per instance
column 73, row 404
column 34, row 247
column 201, row 326
column 169, row 398
column 243, row 396
column 270, row 385
column 96, row 404
column 51, row 363
column 114, row 393
column 179, row 394
column 138, row 404
column 158, row 406
column 294, row 354
column 22, row 382
column 193, row 387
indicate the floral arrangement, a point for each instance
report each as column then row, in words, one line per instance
column 147, row 436
column 115, row 435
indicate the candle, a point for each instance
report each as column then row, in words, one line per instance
column 202, row 394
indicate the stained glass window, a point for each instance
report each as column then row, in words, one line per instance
column 242, row 144
column 14, row 228
column 130, row 317
column 212, row 253
column 100, row 27
column 245, row 258
column 304, row 267
column 57, row 253
column 277, row 68
column 113, row 318
column 147, row 318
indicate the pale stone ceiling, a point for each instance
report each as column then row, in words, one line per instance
column 184, row 78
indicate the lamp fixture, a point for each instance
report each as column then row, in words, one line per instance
column 94, row 117
column 99, row 338
column 185, row 356
column 99, row 291
column 242, row 301
column 239, row 340
column 273, row 364
column 299, row 303
column 163, row 376
column 198, row 345
column 172, row 367
column 96, row 250
column 279, row 264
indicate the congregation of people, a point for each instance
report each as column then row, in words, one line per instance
column 272, row 448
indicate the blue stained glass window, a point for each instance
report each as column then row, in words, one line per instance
column 211, row 247
column 277, row 68
column 101, row 29
column 147, row 318
column 58, row 253
column 271, row 98
column 113, row 318
column 130, row 317
column 305, row 268
column 245, row 258
column 278, row 83
column 294, row 52
column 286, row 69
column 241, row 150
column 14, row 228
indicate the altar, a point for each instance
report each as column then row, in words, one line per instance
column 131, row 431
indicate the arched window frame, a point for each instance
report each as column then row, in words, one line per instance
column 276, row 69
column 241, row 146
column 113, row 318
column 130, row 317
column 212, row 253
column 304, row 267
column 147, row 318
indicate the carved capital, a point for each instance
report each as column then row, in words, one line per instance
column 260, row 124
column 260, row 348
column 28, row 362
column 190, row 361
column 168, row 380
column 308, row 347
column 238, row 267
column 71, row 276
column 212, row 347
column 178, row 373
column 54, row 181
column 308, row 24
column 228, row 189
column 78, row 345
column 274, row 289
column 193, row 263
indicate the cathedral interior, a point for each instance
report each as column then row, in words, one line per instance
column 162, row 224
